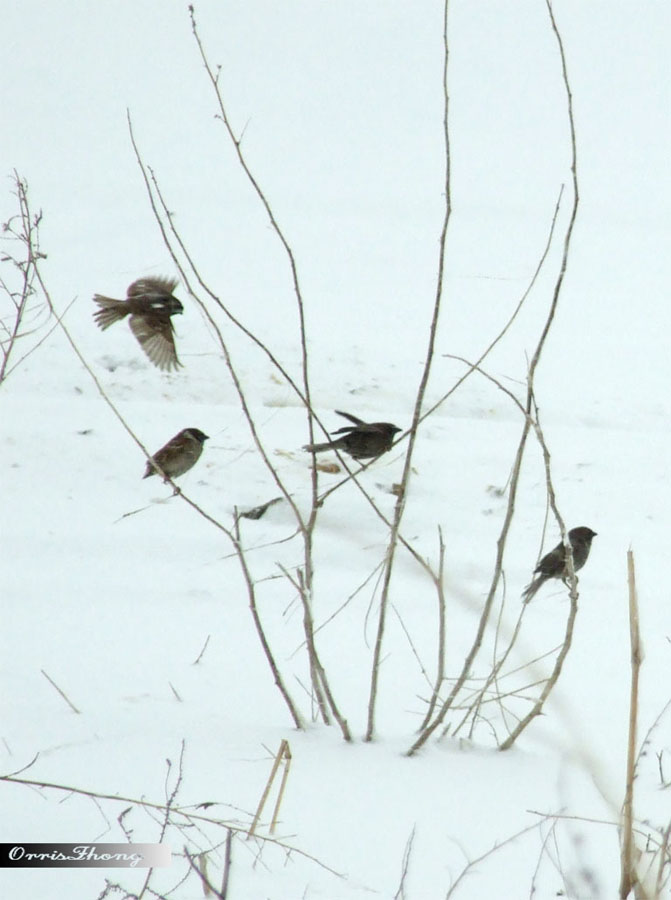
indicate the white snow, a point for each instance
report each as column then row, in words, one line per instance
column 340, row 108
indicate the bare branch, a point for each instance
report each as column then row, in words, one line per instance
column 419, row 399
column 529, row 408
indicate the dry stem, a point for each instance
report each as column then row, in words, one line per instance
column 629, row 877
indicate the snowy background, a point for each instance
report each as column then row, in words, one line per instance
column 341, row 109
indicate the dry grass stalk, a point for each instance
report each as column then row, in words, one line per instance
column 629, row 876
column 283, row 754
column 663, row 861
column 201, row 863
column 283, row 784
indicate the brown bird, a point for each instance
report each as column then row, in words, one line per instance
column 553, row 564
column 363, row 440
column 178, row 455
column 150, row 304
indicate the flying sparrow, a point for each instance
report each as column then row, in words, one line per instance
column 150, row 304
column 363, row 440
column 553, row 564
column 178, row 455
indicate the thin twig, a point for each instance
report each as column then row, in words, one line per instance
column 405, row 865
column 168, row 808
column 27, row 235
column 190, row 817
column 440, row 665
column 475, row 862
column 202, row 652
column 61, row 692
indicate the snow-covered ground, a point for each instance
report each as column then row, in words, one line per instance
column 340, row 108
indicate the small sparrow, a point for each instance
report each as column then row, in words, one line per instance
column 178, row 455
column 553, row 564
column 363, row 440
column 150, row 304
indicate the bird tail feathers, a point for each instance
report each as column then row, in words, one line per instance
column 532, row 588
column 317, row 448
column 110, row 311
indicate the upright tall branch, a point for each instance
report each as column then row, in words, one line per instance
column 419, row 401
column 306, row 527
column 573, row 582
column 528, row 423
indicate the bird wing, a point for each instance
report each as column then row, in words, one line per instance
column 149, row 288
column 553, row 562
column 155, row 335
column 363, row 428
column 355, row 419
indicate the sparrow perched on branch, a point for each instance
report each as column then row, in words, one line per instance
column 150, row 304
column 178, row 455
column 363, row 440
column 553, row 564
